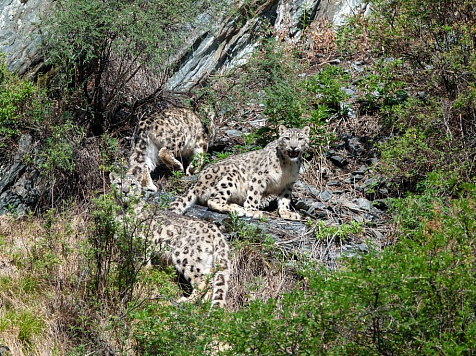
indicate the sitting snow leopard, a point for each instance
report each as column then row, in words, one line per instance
column 238, row 183
column 165, row 136
column 197, row 249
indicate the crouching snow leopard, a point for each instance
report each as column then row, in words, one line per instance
column 165, row 136
column 197, row 249
column 238, row 183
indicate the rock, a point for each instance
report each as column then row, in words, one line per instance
column 332, row 183
column 303, row 204
column 308, row 188
column 233, row 133
column 232, row 39
column 378, row 235
column 373, row 161
column 356, row 66
column 203, row 213
column 362, row 247
column 353, row 179
column 318, row 205
column 370, row 183
column 353, row 145
column 326, row 195
column 383, row 192
column 20, row 37
column 338, row 192
column 348, row 91
column 258, row 123
column 361, row 171
column 20, row 183
column 224, row 43
column 353, row 249
column 364, row 204
column 339, row 161
column 351, row 206
column 351, row 113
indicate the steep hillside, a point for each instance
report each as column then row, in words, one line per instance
column 382, row 260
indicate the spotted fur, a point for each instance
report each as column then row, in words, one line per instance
column 197, row 249
column 238, row 183
column 169, row 137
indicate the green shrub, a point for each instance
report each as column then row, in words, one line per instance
column 58, row 149
column 273, row 83
column 326, row 87
column 422, row 83
column 102, row 50
column 22, row 106
column 172, row 330
column 416, row 297
column 118, row 249
column 322, row 232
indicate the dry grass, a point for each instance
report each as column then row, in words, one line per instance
column 45, row 283
column 254, row 276
column 38, row 262
column 320, row 36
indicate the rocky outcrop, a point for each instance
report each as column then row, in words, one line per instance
column 19, row 182
column 227, row 42
column 233, row 39
column 336, row 11
column 19, row 35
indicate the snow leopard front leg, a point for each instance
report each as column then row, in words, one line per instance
column 284, row 204
column 253, row 196
column 198, row 159
column 167, row 157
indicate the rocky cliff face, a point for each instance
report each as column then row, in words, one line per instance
column 19, row 34
column 227, row 43
column 231, row 41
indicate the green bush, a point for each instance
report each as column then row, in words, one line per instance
column 273, row 83
column 422, row 83
column 326, row 87
column 58, row 150
column 416, row 297
column 103, row 50
column 22, row 106
column 119, row 249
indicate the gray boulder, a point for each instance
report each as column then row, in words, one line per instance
column 19, row 34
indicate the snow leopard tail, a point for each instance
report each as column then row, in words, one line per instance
column 181, row 204
column 138, row 156
column 221, row 277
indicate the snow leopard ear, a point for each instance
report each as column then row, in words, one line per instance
column 306, row 130
column 115, row 178
column 282, row 129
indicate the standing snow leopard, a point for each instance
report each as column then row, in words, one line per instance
column 238, row 183
column 165, row 136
